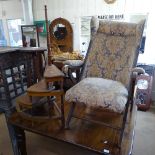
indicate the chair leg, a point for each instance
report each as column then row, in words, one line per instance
column 131, row 103
column 132, row 95
column 123, row 124
column 71, row 111
column 62, row 111
column 73, row 80
column 49, row 105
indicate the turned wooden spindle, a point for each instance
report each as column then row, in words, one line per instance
column 50, row 54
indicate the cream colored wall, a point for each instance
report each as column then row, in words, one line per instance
column 10, row 9
column 73, row 10
column 138, row 6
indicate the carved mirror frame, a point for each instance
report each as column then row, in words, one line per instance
column 65, row 43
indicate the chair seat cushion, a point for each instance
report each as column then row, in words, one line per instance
column 99, row 93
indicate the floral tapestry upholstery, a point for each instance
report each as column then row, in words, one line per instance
column 99, row 92
column 112, row 54
column 112, row 51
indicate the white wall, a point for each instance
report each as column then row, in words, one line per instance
column 136, row 6
column 10, row 9
column 72, row 10
column 27, row 11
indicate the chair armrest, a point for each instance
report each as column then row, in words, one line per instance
column 74, row 63
column 71, row 66
column 135, row 72
column 139, row 70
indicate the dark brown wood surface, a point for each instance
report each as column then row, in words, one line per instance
column 52, row 72
column 19, row 68
column 82, row 133
column 21, row 49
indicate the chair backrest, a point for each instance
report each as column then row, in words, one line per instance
column 113, row 51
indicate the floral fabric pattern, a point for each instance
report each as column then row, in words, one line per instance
column 99, row 92
column 114, row 28
column 112, row 55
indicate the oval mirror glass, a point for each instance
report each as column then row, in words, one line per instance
column 59, row 31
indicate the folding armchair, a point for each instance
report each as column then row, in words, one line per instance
column 106, row 81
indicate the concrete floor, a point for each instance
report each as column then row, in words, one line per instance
column 144, row 143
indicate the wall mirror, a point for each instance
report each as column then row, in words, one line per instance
column 61, row 33
column 30, row 37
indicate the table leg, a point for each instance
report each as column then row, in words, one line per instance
column 17, row 136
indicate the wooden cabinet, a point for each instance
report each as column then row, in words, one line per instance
column 19, row 68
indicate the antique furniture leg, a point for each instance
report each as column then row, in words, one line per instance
column 70, row 114
column 132, row 95
column 123, row 124
column 17, row 136
column 62, row 111
column 70, row 71
column 21, row 140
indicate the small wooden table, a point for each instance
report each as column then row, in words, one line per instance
column 46, row 90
